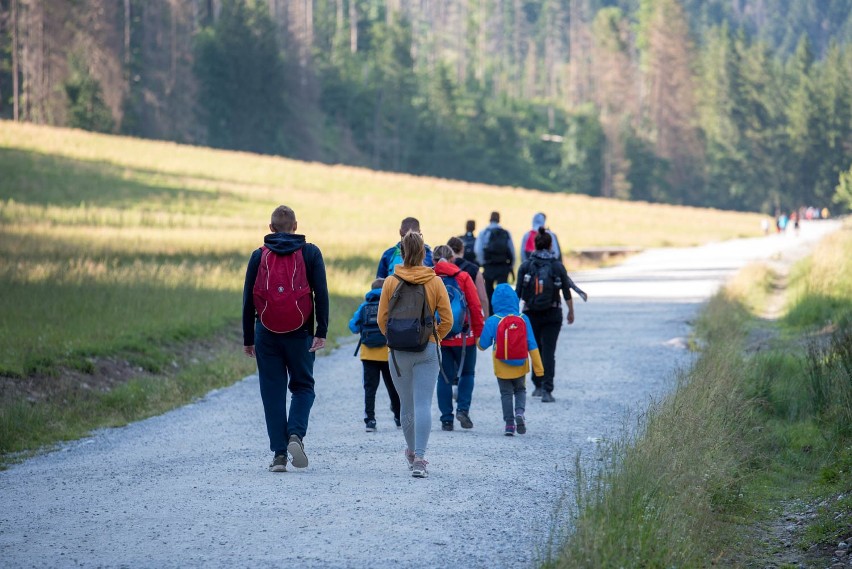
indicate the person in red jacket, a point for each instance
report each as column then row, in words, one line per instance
column 458, row 352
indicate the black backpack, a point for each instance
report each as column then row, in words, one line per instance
column 469, row 242
column 497, row 250
column 541, row 285
column 371, row 334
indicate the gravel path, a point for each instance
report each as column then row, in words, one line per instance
column 190, row 488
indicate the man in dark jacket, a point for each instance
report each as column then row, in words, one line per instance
column 495, row 253
column 289, row 353
column 393, row 255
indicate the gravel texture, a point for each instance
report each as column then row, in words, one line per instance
column 191, row 487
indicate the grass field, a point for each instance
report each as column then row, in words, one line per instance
column 108, row 242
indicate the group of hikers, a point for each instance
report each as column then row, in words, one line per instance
column 422, row 322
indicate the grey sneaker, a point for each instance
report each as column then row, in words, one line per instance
column 520, row 424
column 297, row 452
column 418, row 468
column 409, row 456
column 547, row 397
column 464, row 419
column 536, row 392
column 371, row 426
column 279, row 463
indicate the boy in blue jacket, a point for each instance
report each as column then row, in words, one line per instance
column 374, row 356
column 511, row 373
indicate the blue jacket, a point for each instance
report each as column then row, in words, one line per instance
column 380, row 353
column 505, row 302
column 386, row 262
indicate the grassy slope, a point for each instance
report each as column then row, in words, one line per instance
column 742, row 436
column 112, row 245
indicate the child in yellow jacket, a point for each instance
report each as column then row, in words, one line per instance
column 510, row 370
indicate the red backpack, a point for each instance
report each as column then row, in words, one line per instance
column 282, row 296
column 529, row 243
column 512, row 339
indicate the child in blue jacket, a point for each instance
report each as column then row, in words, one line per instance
column 374, row 359
column 511, row 375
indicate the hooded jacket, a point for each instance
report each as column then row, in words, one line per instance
column 537, row 221
column 505, row 302
column 444, row 268
column 284, row 244
column 436, row 296
column 377, row 354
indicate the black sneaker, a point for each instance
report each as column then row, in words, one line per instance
column 536, row 392
column 547, row 397
column 520, row 424
column 464, row 419
column 297, row 452
column 279, row 463
column 371, row 426
column 398, row 422
column 446, row 425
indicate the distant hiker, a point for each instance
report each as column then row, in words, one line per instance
column 495, row 253
column 374, row 355
column 458, row 349
column 407, row 306
column 285, row 292
column 393, row 256
column 469, row 241
column 528, row 242
column 514, row 345
column 540, row 280
column 472, row 269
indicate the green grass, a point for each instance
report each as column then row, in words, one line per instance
column 712, row 464
column 112, row 245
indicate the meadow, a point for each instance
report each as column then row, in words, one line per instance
column 119, row 247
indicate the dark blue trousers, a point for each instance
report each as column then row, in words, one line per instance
column 280, row 356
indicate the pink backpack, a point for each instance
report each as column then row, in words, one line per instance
column 282, row 296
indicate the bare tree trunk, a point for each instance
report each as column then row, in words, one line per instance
column 15, row 94
column 353, row 27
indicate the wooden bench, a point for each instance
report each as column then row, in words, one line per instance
column 599, row 254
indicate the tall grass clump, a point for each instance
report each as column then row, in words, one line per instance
column 654, row 501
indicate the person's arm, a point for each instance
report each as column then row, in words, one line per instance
column 519, row 282
column 537, row 366
column 472, row 297
column 319, row 286
column 522, row 248
column 480, row 290
column 355, row 321
column 388, row 287
column 512, row 256
column 248, row 303
column 479, row 247
column 555, row 246
column 487, row 337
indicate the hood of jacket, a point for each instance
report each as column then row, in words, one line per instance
column 446, row 269
column 546, row 254
column 504, row 300
column 417, row 275
column 373, row 295
column 538, row 221
column 284, row 243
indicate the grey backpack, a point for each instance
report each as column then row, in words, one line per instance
column 410, row 321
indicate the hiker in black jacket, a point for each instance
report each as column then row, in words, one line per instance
column 285, row 321
column 540, row 280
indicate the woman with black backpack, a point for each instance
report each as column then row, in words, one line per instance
column 540, row 279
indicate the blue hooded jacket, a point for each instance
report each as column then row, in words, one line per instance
column 505, row 302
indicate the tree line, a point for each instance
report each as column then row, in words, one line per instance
column 743, row 105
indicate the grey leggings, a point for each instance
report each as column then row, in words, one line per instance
column 415, row 383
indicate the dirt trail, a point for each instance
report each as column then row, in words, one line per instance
column 190, row 488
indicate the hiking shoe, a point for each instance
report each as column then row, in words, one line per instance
column 510, row 430
column 297, row 452
column 536, row 392
column 398, row 422
column 446, row 425
column 279, row 463
column 547, row 397
column 371, row 426
column 464, row 419
column 520, row 424
column 409, row 456
column 418, row 468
